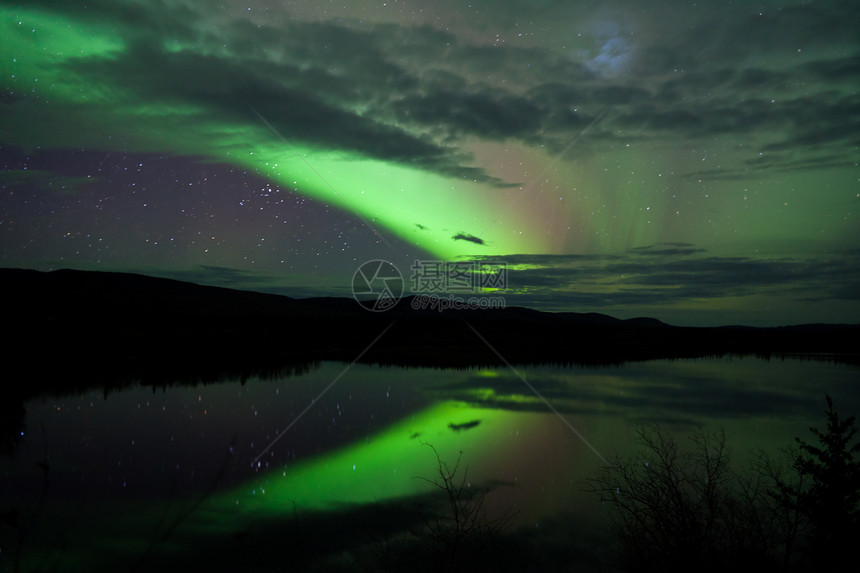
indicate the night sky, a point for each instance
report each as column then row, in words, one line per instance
column 695, row 162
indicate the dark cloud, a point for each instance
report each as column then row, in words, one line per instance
column 549, row 259
column 470, row 238
column 663, row 274
column 163, row 17
column 486, row 114
column 837, row 69
column 663, row 249
column 229, row 89
column 737, row 34
column 41, row 179
column 403, row 93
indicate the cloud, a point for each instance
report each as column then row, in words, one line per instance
column 228, row 89
column 40, row 179
column 470, row 238
column 409, row 94
column 488, row 114
column 664, row 274
column 662, row 249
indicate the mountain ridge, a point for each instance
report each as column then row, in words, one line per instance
column 75, row 331
column 136, row 317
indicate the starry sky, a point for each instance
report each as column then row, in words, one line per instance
column 695, row 162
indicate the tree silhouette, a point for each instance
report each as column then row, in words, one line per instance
column 828, row 493
column 452, row 530
column 461, row 537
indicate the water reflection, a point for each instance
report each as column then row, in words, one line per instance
column 673, row 392
column 155, row 476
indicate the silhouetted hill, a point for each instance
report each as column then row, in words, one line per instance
column 79, row 326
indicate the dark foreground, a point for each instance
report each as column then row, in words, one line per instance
column 115, row 326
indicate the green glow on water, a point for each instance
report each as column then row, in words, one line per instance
column 384, row 466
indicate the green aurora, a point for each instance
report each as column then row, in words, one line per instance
column 622, row 159
column 379, row 192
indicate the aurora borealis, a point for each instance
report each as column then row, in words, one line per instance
column 696, row 162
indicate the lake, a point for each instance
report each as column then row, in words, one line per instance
column 326, row 469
